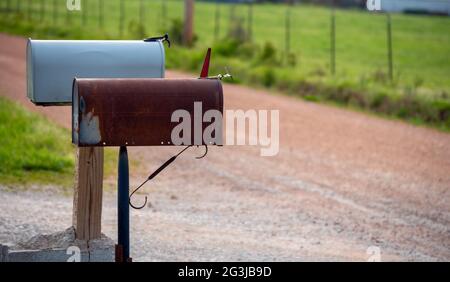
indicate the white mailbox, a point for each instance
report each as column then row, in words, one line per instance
column 53, row 64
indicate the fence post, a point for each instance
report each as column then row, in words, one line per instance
column 55, row 11
column 250, row 21
column 87, row 201
column 333, row 40
column 100, row 13
column 68, row 16
column 287, row 32
column 188, row 32
column 29, row 11
column 389, row 46
column 217, row 22
column 122, row 17
column 42, row 10
column 84, row 13
column 232, row 12
column 141, row 12
column 232, row 16
column 163, row 14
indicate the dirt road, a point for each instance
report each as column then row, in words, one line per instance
column 342, row 182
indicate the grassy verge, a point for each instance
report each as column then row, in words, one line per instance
column 34, row 150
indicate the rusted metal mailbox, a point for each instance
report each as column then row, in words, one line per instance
column 53, row 64
column 140, row 112
column 137, row 112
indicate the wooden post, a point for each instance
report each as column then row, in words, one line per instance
column 87, row 201
column 188, row 33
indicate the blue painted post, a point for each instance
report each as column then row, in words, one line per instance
column 123, row 204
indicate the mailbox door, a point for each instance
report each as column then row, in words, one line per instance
column 137, row 112
column 53, row 64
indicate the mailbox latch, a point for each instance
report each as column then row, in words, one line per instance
column 156, row 172
column 163, row 38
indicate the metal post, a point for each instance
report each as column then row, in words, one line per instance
column 84, row 13
column 333, row 40
column 141, row 12
column 42, row 10
column 100, row 13
column 287, row 43
column 250, row 21
column 232, row 15
column 123, row 207
column 163, row 14
column 29, row 10
column 389, row 47
column 55, row 11
column 121, row 17
column 68, row 16
column 217, row 22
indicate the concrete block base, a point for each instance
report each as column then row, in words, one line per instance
column 60, row 247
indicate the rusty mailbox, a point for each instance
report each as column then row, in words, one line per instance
column 53, row 64
column 138, row 112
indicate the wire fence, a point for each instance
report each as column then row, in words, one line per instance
column 287, row 27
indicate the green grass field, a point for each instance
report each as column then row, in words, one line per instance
column 36, row 150
column 421, row 48
column 32, row 148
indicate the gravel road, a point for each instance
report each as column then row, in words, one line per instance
column 342, row 182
